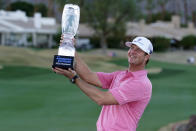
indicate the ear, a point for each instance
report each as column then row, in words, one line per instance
column 147, row 57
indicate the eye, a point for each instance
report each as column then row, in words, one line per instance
column 132, row 47
column 139, row 50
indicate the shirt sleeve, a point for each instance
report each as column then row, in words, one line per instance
column 130, row 91
column 106, row 79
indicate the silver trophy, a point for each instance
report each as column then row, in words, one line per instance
column 70, row 22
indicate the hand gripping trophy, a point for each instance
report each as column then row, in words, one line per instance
column 70, row 22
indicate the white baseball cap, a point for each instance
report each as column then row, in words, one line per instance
column 143, row 43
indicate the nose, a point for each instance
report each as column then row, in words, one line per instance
column 129, row 51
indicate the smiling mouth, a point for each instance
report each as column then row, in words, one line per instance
column 132, row 57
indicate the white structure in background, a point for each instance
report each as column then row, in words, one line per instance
column 165, row 29
column 83, row 44
column 19, row 30
column 170, row 29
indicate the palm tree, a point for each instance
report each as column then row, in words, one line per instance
column 185, row 13
column 162, row 4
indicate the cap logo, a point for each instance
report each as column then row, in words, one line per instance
column 138, row 40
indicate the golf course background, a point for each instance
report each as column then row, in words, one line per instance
column 33, row 98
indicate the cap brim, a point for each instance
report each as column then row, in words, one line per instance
column 128, row 44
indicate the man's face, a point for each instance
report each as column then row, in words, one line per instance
column 136, row 56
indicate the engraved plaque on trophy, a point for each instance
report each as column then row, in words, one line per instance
column 66, row 51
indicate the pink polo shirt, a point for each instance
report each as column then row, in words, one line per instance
column 133, row 91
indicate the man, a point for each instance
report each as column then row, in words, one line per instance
column 128, row 93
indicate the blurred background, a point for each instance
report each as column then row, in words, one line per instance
column 33, row 98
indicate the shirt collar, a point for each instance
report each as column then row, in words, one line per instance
column 139, row 73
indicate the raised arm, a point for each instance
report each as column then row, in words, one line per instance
column 83, row 70
column 99, row 96
column 85, row 73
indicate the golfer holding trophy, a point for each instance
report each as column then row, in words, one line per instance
column 128, row 92
column 66, row 52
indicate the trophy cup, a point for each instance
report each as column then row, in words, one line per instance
column 66, row 52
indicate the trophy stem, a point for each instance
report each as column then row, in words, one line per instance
column 67, row 38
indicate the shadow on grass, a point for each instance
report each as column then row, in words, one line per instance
column 166, row 73
column 18, row 72
column 120, row 62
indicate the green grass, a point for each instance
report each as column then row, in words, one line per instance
column 36, row 99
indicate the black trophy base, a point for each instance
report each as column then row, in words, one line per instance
column 64, row 62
